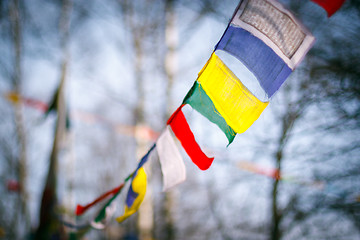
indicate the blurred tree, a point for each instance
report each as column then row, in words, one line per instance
column 328, row 77
column 49, row 225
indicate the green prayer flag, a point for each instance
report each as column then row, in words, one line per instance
column 200, row 101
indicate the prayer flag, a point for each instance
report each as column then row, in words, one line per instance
column 172, row 165
column 330, row 6
column 138, row 186
column 201, row 102
column 132, row 195
column 236, row 104
column 183, row 132
column 81, row 209
column 268, row 39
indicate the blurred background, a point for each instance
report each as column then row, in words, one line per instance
column 86, row 86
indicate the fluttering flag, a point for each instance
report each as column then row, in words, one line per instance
column 236, row 104
column 137, row 189
column 268, row 39
column 330, row 6
column 81, row 209
column 200, row 101
column 108, row 213
column 183, row 132
column 13, row 185
column 251, row 167
column 135, row 195
column 172, row 165
column 15, row 98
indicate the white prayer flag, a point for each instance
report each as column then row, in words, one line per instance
column 172, row 164
column 276, row 27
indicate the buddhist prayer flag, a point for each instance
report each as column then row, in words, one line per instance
column 15, row 98
column 138, row 189
column 183, row 132
column 236, row 104
column 330, row 6
column 81, row 209
column 201, row 102
column 268, row 39
column 172, row 164
column 132, row 195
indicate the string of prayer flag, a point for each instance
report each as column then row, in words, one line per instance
column 270, row 42
column 183, row 132
column 172, row 165
column 236, row 104
column 330, row 6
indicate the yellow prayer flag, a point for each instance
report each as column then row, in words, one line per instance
column 13, row 97
column 236, row 104
column 139, row 186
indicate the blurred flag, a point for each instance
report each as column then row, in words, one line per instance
column 268, row 39
column 183, row 132
column 135, row 195
column 172, row 165
column 15, row 98
column 330, row 6
column 201, row 102
column 251, row 167
column 82, row 209
column 236, row 104
column 13, row 185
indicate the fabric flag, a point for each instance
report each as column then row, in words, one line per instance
column 236, row 104
column 251, row 167
column 330, row 6
column 15, row 98
column 132, row 195
column 268, row 39
column 172, row 164
column 102, row 213
column 138, row 186
column 201, row 102
column 183, row 132
column 81, row 209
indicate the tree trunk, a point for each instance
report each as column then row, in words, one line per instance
column 49, row 225
column 170, row 64
column 288, row 120
column 21, row 169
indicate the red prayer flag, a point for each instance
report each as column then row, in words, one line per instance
column 183, row 132
column 331, row 6
column 81, row 209
column 13, row 185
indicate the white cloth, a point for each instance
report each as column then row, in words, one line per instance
column 172, row 164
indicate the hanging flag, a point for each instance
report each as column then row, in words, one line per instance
column 251, row 167
column 81, row 209
column 183, row 132
column 236, row 104
column 330, row 6
column 201, row 102
column 172, row 164
column 13, row 185
column 15, row 98
column 268, row 39
column 135, row 195
column 102, row 213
